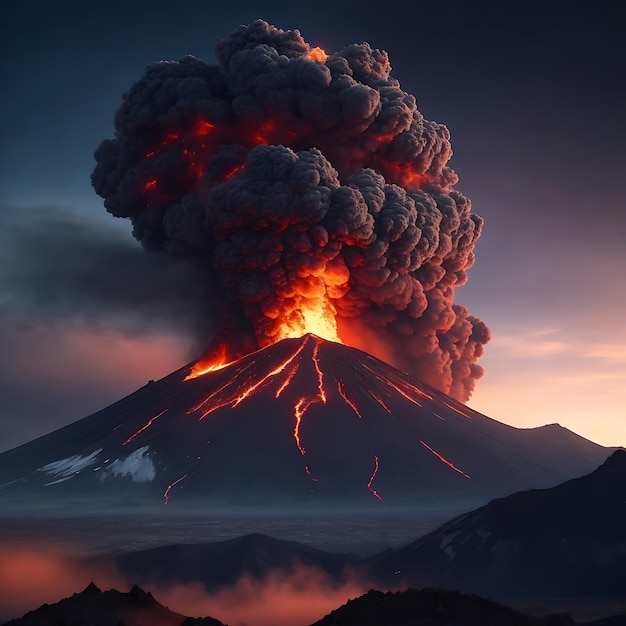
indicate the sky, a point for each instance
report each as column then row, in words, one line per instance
column 533, row 95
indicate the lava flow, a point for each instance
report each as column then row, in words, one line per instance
column 297, row 370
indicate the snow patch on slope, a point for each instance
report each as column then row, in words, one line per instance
column 65, row 468
column 138, row 466
column 447, row 544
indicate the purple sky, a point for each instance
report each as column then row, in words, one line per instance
column 533, row 96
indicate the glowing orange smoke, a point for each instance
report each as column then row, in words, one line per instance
column 317, row 316
column 216, row 362
column 203, row 128
column 317, row 54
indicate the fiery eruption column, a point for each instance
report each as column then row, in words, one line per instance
column 313, row 193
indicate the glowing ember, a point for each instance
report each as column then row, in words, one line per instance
column 203, row 128
column 317, row 54
column 444, row 460
column 369, row 484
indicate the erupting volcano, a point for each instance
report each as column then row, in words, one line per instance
column 312, row 193
column 302, row 421
column 318, row 202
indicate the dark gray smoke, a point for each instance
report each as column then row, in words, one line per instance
column 55, row 266
column 296, row 178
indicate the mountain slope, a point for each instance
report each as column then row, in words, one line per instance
column 222, row 563
column 568, row 541
column 304, row 420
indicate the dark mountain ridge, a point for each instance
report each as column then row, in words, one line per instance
column 568, row 541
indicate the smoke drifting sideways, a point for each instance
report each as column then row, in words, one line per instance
column 307, row 186
column 37, row 573
column 55, row 266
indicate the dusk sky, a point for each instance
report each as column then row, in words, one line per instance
column 533, row 95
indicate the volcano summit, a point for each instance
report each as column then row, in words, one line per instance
column 302, row 421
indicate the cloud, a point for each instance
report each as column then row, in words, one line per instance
column 296, row 597
column 54, row 266
column 529, row 343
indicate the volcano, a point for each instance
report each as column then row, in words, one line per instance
column 302, row 422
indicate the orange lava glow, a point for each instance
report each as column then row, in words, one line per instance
column 203, row 128
column 369, row 484
column 317, row 54
column 317, row 316
column 231, row 172
column 144, row 427
column 216, row 362
column 341, row 388
column 263, row 132
column 444, row 460
column 303, row 404
column 166, row 495
column 232, row 395
column 378, row 399
column 277, row 370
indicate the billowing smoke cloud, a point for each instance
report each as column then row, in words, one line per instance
column 308, row 185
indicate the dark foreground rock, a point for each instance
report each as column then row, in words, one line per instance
column 431, row 607
column 565, row 542
column 93, row 607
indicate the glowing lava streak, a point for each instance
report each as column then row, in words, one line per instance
column 166, row 495
column 378, row 399
column 443, row 460
column 226, row 395
column 277, row 370
column 303, row 404
column 144, row 427
column 349, row 401
column 369, row 484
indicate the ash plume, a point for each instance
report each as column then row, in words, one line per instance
column 302, row 181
